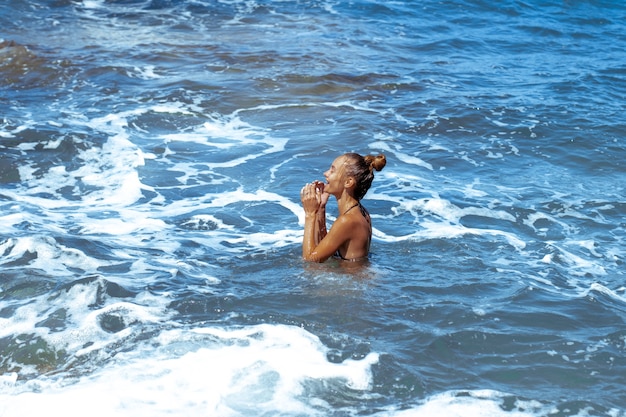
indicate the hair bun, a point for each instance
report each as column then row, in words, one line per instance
column 376, row 162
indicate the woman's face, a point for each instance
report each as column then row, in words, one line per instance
column 334, row 176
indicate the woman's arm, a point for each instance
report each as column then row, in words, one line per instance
column 311, row 235
column 327, row 246
column 320, row 225
column 321, row 217
column 319, row 244
column 314, row 203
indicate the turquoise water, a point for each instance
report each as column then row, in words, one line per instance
column 151, row 157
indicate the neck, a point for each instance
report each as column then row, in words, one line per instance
column 346, row 202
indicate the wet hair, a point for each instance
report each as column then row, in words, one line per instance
column 361, row 168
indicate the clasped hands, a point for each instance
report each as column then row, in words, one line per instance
column 313, row 197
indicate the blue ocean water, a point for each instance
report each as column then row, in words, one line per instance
column 151, row 157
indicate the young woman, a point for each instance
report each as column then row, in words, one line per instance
column 348, row 179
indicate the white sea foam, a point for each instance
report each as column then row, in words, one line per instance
column 438, row 218
column 596, row 287
column 92, row 4
column 159, row 193
column 198, row 220
column 576, row 265
column 546, row 220
column 402, row 156
column 266, row 241
column 108, row 185
column 146, row 73
column 477, row 403
column 48, row 255
column 81, row 331
column 226, row 132
column 133, row 222
column 109, row 172
column 253, row 370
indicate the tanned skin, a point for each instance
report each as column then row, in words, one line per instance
column 351, row 233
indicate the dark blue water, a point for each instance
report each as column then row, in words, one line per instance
column 151, row 157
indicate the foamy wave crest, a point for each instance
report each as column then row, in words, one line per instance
column 46, row 254
column 107, row 176
column 477, row 403
column 229, row 134
column 438, row 218
column 256, row 370
column 58, row 330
